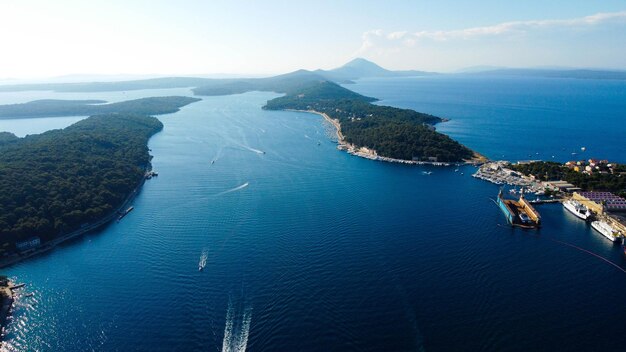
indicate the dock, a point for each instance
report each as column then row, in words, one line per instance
column 545, row 201
column 519, row 213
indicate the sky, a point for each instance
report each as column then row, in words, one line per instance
column 40, row 39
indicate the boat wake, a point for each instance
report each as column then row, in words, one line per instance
column 203, row 258
column 234, row 189
column 255, row 150
column 237, row 327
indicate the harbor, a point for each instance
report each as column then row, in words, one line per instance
column 498, row 173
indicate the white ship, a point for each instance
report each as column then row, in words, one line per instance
column 577, row 209
column 605, row 229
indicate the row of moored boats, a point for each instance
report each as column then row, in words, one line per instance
column 602, row 226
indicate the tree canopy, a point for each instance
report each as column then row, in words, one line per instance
column 54, row 182
column 52, row 107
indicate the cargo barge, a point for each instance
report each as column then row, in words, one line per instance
column 519, row 213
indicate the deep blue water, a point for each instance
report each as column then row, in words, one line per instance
column 518, row 118
column 311, row 249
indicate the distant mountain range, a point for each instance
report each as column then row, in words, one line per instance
column 551, row 73
column 353, row 70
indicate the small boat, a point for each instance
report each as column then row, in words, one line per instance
column 583, row 148
column 427, row 172
column 456, row 170
column 212, row 162
column 123, row 214
column 524, row 218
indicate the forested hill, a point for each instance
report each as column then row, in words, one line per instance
column 396, row 133
column 53, row 183
column 51, row 107
column 392, row 132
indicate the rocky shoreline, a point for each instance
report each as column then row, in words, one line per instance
column 6, row 296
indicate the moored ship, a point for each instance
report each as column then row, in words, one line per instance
column 519, row 213
column 124, row 213
column 606, row 230
column 577, row 209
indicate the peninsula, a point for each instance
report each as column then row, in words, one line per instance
column 369, row 130
column 52, row 107
column 62, row 183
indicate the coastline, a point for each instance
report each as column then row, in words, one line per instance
column 371, row 154
column 14, row 259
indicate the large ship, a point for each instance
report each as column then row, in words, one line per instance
column 577, row 209
column 519, row 213
column 606, row 230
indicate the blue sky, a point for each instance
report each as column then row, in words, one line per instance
column 61, row 37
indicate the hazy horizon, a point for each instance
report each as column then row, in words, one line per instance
column 68, row 38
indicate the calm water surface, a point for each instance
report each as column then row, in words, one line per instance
column 518, row 118
column 310, row 249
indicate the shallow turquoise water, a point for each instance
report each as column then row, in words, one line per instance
column 311, row 249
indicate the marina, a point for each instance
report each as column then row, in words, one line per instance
column 497, row 172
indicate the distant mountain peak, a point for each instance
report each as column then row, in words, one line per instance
column 359, row 61
column 363, row 68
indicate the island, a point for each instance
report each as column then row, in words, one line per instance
column 62, row 183
column 53, row 107
column 373, row 131
column 365, row 129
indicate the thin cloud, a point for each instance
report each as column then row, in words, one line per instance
column 378, row 37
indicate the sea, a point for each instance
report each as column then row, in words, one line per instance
column 259, row 235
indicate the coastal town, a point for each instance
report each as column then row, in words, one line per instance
column 606, row 210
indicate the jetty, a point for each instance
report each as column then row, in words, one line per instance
column 519, row 213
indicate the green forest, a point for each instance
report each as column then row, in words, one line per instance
column 392, row 132
column 54, row 182
column 52, row 107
